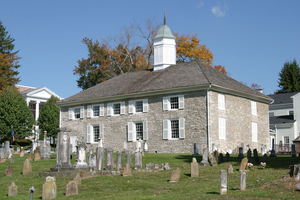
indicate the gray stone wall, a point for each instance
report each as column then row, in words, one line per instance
column 238, row 122
column 115, row 127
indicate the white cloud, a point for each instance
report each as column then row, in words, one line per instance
column 219, row 11
column 200, row 4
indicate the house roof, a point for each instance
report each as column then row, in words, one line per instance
column 182, row 76
column 284, row 119
column 282, row 98
column 22, row 88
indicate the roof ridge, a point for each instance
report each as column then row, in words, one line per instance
column 199, row 65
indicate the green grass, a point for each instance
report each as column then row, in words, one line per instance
column 156, row 185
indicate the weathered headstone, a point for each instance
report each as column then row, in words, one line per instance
column 256, row 156
column 249, row 153
column 2, row 153
column 49, row 188
column 128, row 158
column 29, row 157
column 22, row 152
column 175, row 175
column 241, row 153
column 91, row 159
column 9, row 171
column 265, row 158
column 221, row 158
column 137, row 160
column 71, row 188
column 227, row 157
column 243, row 181
column 7, row 149
column 12, row 159
column 109, row 159
column 27, row 167
column 100, row 158
column 80, row 162
column 293, row 151
column 196, row 150
column 127, row 170
column 119, row 160
column 297, row 172
column 204, row 161
column 212, row 159
column 77, row 179
column 156, row 166
column 12, row 189
column 230, row 169
column 243, row 164
column 149, row 166
column 167, row 167
column 273, row 154
column 146, row 150
column 18, row 149
column 223, row 182
column 216, row 155
column 194, row 168
column 37, row 154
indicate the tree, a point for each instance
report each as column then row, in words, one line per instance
column 289, row 77
column 8, row 60
column 14, row 112
column 49, row 118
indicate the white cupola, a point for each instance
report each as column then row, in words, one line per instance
column 164, row 48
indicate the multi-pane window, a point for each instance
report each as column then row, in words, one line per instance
column 117, row 108
column 96, row 111
column 174, row 102
column 96, row 132
column 175, row 128
column 286, row 139
column 138, row 106
column 139, row 131
column 77, row 113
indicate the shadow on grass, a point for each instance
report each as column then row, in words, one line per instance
column 189, row 175
column 212, row 192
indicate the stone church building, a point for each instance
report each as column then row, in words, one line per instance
column 171, row 106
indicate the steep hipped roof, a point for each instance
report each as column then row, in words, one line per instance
column 183, row 76
column 282, row 98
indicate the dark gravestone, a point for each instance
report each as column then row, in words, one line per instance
column 249, row 153
column 196, row 150
column 273, row 154
column 221, row 159
column 265, row 158
column 256, row 156
column 241, row 154
column 293, row 151
column 227, row 157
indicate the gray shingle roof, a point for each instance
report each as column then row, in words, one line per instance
column 174, row 77
column 282, row 98
column 285, row 119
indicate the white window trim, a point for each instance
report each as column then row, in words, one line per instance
column 221, row 102
column 131, row 131
column 90, row 111
column 167, row 134
column 283, row 139
column 254, row 132
column 72, row 113
column 132, row 107
column 110, row 108
column 167, row 103
column 90, row 133
column 253, row 108
column 222, row 128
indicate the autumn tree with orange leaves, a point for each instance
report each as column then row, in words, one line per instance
column 8, row 60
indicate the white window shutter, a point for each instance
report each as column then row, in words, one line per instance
column 166, row 129
column 181, row 128
column 130, row 131
column 145, row 132
column 254, row 132
column 130, row 107
column 89, row 130
column 89, row 111
column 81, row 112
column 122, row 105
column 109, row 109
column 145, row 105
column 181, row 101
column 71, row 113
column 101, row 131
column 101, row 110
column 222, row 128
column 166, row 103
column 221, row 101
column 253, row 108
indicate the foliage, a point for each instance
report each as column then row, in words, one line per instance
column 23, row 142
column 14, row 111
column 49, row 118
column 8, row 60
column 289, row 77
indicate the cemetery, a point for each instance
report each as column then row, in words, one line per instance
column 105, row 173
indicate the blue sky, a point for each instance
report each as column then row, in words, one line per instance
column 252, row 39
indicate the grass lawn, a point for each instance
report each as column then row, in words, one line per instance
column 156, row 185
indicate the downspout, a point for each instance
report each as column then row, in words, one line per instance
column 59, row 115
column 207, row 118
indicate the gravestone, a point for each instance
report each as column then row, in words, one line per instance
column 227, row 157
column 18, row 149
column 92, row 162
column 212, row 159
column 204, row 161
column 230, row 169
column 37, row 154
column 167, row 167
column 100, row 158
column 156, row 166
column 262, row 149
column 196, row 150
column 109, row 159
column 27, row 167
column 9, row 171
column 12, row 189
column 22, row 152
column 2, row 153
column 137, row 160
column 273, row 154
column 216, row 155
column 243, row 181
column 80, row 162
column 175, row 176
column 194, row 168
column 127, row 170
column 243, row 164
column 223, row 182
column 256, row 156
column 71, row 188
column 12, row 159
column 248, row 147
column 49, row 188
column 7, row 149
column 265, row 158
column 77, row 179
column 221, row 159
column 293, row 151
column 62, row 151
column 128, row 158
column 249, row 153
column 119, row 160
column 241, row 153
column 149, row 166
column 146, row 149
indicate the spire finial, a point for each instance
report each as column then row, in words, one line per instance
column 165, row 19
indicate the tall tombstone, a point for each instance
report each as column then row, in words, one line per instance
column 128, row 158
column 194, row 168
column 249, row 153
column 256, row 156
column 37, row 154
column 196, row 150
column 2, row 153
column 71, row 188
column 49, row 188
column 119, row 160
column 137, row 160
column 221, row 158
column 273, row 154
column 227, row 157
column 100, row 158
column 204, row 161
column 241, row 152
column 109, row 159
column 12, row 189
column 243, row 164
column 223, row 182
column 293, row 151
column 89, row 162
column 80, row 162
column 7, row 149
column 242, row 181
column 63, row 153
column 27, row 167
column 22, row 152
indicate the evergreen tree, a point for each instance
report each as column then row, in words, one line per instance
column 49, row 118
column 289, row 77
column 8, row 60
column 14, row 112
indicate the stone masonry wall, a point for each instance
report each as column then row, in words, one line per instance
column 238, row 123
column 115, row 127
